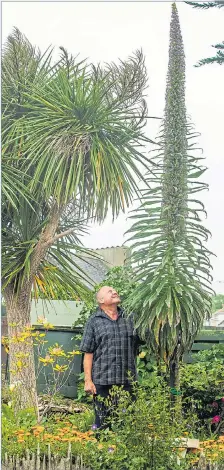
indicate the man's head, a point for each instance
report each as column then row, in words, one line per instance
column 107, row 296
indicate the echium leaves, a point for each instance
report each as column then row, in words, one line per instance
column 171, row 263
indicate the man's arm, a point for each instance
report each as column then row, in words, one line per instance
column 87, row 364
column 88, row 346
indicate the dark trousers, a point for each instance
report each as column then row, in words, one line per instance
column 103, row 410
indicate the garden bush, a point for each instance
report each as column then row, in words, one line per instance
column 143, row 434
column 202, row 385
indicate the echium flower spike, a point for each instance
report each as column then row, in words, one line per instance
column 174, row 187
column 173, row 293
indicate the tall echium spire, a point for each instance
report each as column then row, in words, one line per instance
column 172, row 297
column 174, row 187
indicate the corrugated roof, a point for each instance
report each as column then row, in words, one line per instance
column 106, row 247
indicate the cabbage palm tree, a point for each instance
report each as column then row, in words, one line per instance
column 171, row 262
column 73, row 140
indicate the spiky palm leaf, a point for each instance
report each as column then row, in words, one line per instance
column 81, row 138
column 206, row 5
column 170, row 259
column 219, row 57
column 58, row 274
column 74, row 135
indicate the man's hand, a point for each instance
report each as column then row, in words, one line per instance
column 90, row 387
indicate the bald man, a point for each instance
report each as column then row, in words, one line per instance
column 110, row 344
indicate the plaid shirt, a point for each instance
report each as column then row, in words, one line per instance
column 114, row 346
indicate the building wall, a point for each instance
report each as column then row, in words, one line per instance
column 114, row 255
column 216, row 320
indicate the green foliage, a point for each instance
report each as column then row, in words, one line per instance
column 147, row 369
column 11, row 420
column 206, row 5
column 217, row 302
column 219, row 57
column 216, row 353
column 144, row 435
column 171, row 261
column 72, row 136
column 143, row 432
column 22, row 432
column 202, row 386
column 120, row 278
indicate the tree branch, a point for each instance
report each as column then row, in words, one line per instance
column 60, row 235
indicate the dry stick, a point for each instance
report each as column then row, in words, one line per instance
column 49, row 457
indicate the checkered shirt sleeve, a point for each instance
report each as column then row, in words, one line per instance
column 88, row 340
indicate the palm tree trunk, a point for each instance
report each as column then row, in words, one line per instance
column 18, row 307
column 21, row 353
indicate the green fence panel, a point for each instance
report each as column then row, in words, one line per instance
column 68, row 338
column 68, row 380
column 205, row 340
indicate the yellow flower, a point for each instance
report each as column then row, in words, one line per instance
column 41, row 320
column 60, row 368
column 22, row 355
column 100, row 446
column 56, row 351
column 47, row 360
column 38, row 428
column 47, row 436
column 142, row 354
column 73, row 353
column 48, row 326
column 29, row 328
column 19, row 364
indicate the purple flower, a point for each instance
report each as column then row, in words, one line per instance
column 110, row 449
column 215, row 404
column 94, row 427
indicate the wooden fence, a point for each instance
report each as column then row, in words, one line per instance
column 34, row 461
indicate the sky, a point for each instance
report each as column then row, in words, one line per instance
column 107, row 31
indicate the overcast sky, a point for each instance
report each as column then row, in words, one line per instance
column 106, row 31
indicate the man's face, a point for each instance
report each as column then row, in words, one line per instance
column 108, row 296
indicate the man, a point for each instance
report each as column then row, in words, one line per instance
column 109, row 343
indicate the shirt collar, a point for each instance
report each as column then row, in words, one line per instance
column 101, row 313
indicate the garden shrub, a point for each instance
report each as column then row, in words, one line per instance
column 202, row 385
column 142, row 436
column 145, row 434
